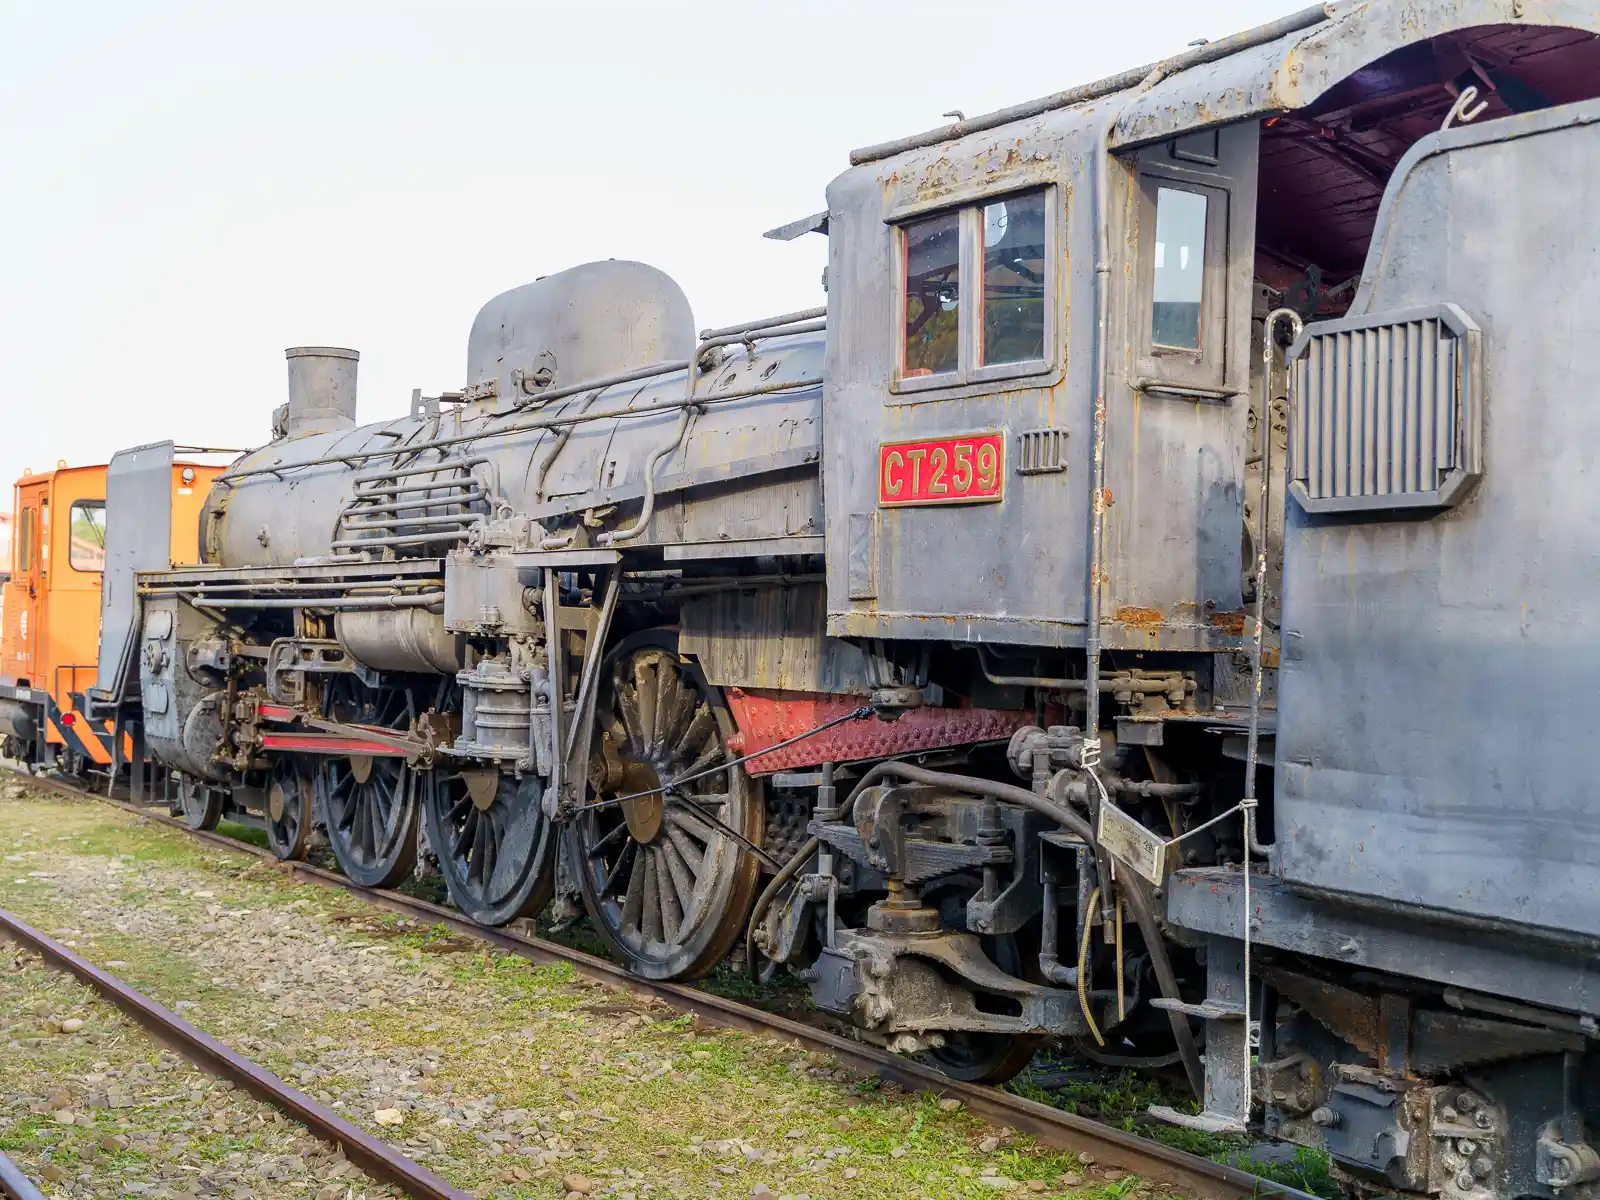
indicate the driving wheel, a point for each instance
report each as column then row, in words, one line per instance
column 665, row 883
column 369, row 801
column 496, row 848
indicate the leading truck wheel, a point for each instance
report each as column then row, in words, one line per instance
column 369, row 801
column 667, row 890
column 199, row 804
column 981, row 1057
column 496, row 848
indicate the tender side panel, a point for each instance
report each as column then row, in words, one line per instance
column 1433, row 749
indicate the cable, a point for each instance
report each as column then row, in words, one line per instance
column 1083, row 975
column 671, row 785
column 1122, row 1006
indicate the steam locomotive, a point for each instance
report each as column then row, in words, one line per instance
column 1146, row 608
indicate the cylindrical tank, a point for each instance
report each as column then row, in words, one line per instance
column 322, row 389
column 405, row 639
column 600, row 318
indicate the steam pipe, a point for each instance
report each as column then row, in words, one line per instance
column 546, row 395
column 805, row 314
column 342, row 603
column 399, row 506
column 554, row 422
column 739, row 339
column 1049, row 936
column 647, row 510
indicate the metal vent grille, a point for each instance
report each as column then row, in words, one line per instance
column 1041, row 451
column 420, row 510
column 1385, row 411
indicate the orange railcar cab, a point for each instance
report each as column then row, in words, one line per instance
column 50, row 609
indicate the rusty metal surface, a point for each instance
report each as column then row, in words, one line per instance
column 765, row 719
column 380, row 1160
column 1193, row 1176
column 14, row 1185
column 770, row 637
column 1294, row 71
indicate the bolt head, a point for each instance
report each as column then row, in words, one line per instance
column 1324, row 1116
column 1482, row 1120
column 1465, row 1181
column 1466, row 1102
column 1466, row 1147
column 1481, row 1167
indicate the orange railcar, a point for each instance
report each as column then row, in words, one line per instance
column 50, row 615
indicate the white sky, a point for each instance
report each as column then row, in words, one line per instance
column 186, row 189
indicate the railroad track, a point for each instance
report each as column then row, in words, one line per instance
column 1190, row 1174
column 14, row 1185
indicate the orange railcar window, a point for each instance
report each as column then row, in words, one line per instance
column 86, row 546
column 25, row 541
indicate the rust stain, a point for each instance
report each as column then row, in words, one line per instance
column 1128, row 615
column 1231, row 621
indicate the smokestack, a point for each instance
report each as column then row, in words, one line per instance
column 322, row 390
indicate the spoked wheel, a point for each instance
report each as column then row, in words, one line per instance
column 980, row 1057
column 289, row 809
column 370, row 801
column 199, row 804
column 496, row 848
column 667, row 889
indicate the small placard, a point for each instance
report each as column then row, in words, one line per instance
column 1131, row 843
column 966, row 469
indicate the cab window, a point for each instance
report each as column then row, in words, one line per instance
column 1013, row 279
column 25, row 541
column 1180, row 269
column 976, row 292
column 933, row 295
column 1183, row 288
column 86, row 548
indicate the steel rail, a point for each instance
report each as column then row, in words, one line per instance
column 376, row 1157
column 1195, row 1176
column 14, row 1185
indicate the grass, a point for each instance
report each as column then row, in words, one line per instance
column 606, row 1084
column 1124, row 1099
column 539, row 1038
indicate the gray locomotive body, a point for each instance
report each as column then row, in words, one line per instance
column 1046, row 642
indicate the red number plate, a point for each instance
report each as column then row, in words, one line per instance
column 968, row 469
